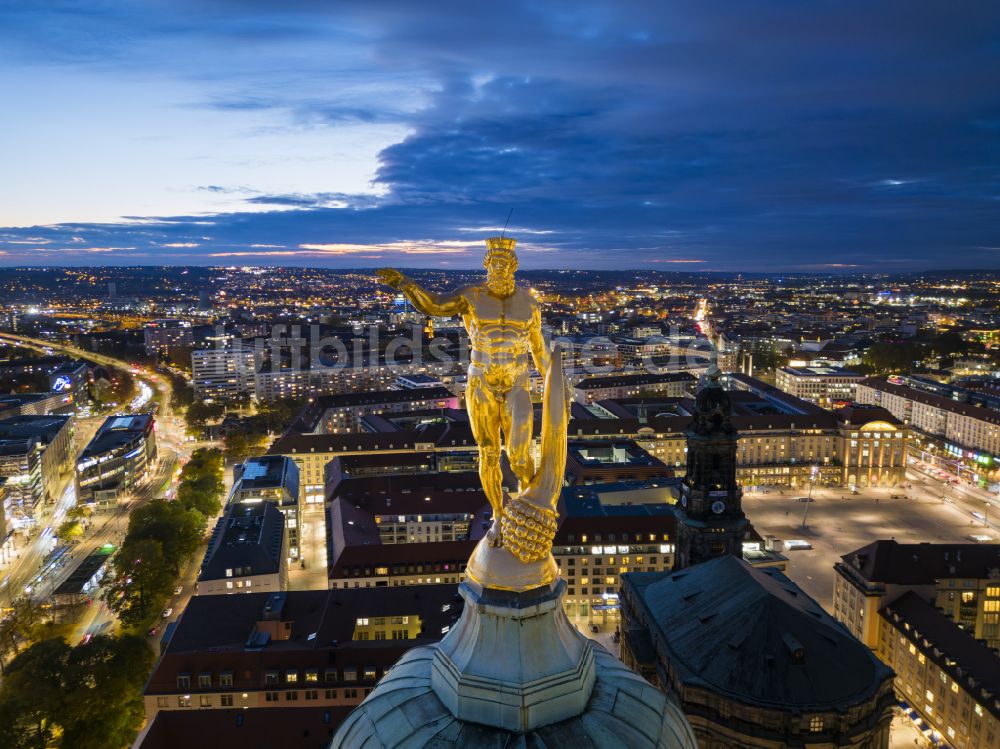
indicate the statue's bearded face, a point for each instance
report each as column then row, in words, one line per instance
column 500, row 269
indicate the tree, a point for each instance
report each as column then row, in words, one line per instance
column 181, row 392
column 179, row 357
column 19, row 626
column 140, row 581
column 84, row 697
column 104, row 706
column 178, row 528
column 242, row 444
column 203, row 495
column 199, row 413
column 33, row 695
column 79, row 511
column 70, row 531
column 890, row 356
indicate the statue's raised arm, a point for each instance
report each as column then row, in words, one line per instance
column 438, row 305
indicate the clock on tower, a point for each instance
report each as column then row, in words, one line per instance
column 710, row 519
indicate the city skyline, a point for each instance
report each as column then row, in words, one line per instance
column 721, row 137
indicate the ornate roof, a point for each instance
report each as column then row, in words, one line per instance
column 404, row 712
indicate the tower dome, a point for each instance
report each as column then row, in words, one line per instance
column 624, row 710
column 514, row 672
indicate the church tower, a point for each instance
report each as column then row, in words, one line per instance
column 710, row 519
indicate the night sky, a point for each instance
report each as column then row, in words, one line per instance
column 705, row 135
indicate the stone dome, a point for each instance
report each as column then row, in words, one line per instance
column 624, row 710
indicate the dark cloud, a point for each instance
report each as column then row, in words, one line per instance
column 747, row 135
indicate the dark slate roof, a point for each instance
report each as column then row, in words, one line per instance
column 735, row 629
column 223, row 623
column 249, row 537
column 375, row 397
column 923, row 564
column 648, row 378
column 117, row 431
column 859, row 415
column 45, row 428
column 956, row 652
column 254, row 728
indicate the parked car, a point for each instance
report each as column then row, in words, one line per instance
column 152, row 631
column 594, row 628
column 177, row 590
column 167, row 612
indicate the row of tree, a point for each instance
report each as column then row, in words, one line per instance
column 162, row 536
column 57, row 696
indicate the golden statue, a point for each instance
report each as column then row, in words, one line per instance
column 505, row 331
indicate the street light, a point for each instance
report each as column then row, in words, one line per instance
column 813, row 475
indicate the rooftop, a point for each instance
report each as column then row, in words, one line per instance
column 117, row 431
column 267, row 472
column 956, row 652
column 44, row 428
column 320, row 618
column 820, row 372
column 929, row 399
column 248, row 537
column 648, row 378
column 925, row 563
column 754, row 635
column 254, row 728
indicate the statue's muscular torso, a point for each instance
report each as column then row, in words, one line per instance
column 500, row 336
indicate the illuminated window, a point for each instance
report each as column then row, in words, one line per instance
column 816, row 724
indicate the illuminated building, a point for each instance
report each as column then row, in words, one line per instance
column 272, row 479
column 117, row 459
column 960, row 580
column 966, row 431
column 672, row 384
column 159, row 336
column 949, row 680
column 753, row 661
column 322, row 648
column 339, row 414
column 248, row 551
column 222, row 373
column 822, row 385
column 34, row 453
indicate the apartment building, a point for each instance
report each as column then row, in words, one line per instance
column 247, row 553
column 822, row 385
column 948, row 680
column 960, row 580
column 160, row 336
column 968, row 427
column 343, row 413
column 671, row 384
column 35, row 453
column 320, row 648
column 271, row 479
column 222, row 373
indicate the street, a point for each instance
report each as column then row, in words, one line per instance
column 24, row 568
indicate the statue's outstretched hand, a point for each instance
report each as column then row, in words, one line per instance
column 390, row 277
